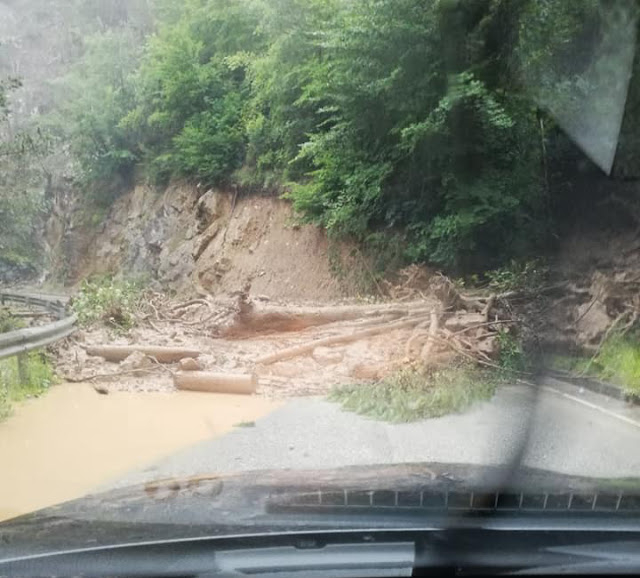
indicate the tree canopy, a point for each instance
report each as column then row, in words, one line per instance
column 411, row 125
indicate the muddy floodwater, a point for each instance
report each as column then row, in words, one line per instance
column 71, row 441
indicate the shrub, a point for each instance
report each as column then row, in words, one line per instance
column 518, row 276
column 8, row 322
column 512, row 356
column 415, row 394
column 107, row 300
column 36, row 377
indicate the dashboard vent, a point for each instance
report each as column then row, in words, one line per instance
column 456, row 500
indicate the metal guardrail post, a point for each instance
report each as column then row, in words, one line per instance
column 22, row 368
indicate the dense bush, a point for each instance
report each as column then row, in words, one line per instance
column 109, row 301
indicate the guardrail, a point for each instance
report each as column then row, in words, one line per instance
column 24, row 340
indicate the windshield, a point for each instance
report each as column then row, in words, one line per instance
column 297, row 236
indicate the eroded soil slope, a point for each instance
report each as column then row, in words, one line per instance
column 187, row 239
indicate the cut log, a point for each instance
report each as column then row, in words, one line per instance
column 216, row 382
column 328, row 341
column 117, row 353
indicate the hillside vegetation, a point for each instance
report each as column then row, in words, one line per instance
column 411, row 126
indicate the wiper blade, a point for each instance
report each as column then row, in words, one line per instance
column 372, row 553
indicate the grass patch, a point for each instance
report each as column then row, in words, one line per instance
column 573, row 364
column 37, row 378
column 617, row 362
column 412, row 394
column 8, row 322
column 110, row 301
column 246, row 424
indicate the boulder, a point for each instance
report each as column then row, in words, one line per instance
column 189, row 364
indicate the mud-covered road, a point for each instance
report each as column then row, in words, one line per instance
column 71, row 441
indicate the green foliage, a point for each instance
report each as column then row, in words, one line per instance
column 619, row 361
column 387, row 120
column 8, row 322
column 21, row 196
column 576, row 364
column 409, row 134
column 191, row 91
column 109, row 301
column 245, row 424
column 6, row 86
column 412, row 395
column 97, row 94
column 512, row 356
column 518, row 276
column 36, row 378
column 211, row 144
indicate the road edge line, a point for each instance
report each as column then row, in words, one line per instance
column 590, row 405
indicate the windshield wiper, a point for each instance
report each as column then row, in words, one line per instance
column 352, row 553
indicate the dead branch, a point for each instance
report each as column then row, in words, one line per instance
column 213, row 318
column 190, row 303
column 486, row 312
column 470, row 357
column 463, row 342
column 418, row 333
column 434, row 322
column 480, row 325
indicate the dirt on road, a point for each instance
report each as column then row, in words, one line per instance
column 291, row 349
column 70, row 442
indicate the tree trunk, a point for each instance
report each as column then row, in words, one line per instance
column 339, row 339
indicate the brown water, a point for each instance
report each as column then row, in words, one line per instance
column 67, row 443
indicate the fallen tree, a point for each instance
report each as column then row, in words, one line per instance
column 254, row 319
column 465, row 325
column 337, row 340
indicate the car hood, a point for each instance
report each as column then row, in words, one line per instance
column 296, row 501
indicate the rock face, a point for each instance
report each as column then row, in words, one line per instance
column 13, row 273
column 216, row 241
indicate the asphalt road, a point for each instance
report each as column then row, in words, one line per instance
column 576, row 433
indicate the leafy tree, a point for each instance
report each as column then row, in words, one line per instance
column 191, row 91
column 97, row 94
column 21, row 201
column 413, row 123
column 422, row 135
